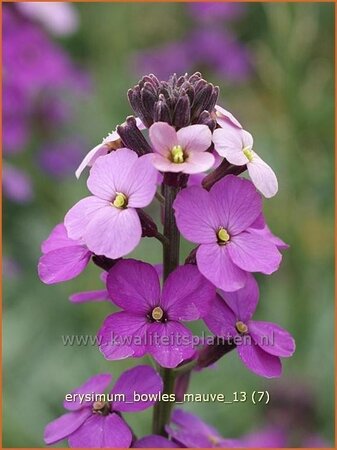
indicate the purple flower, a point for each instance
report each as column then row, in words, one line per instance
column 236, row 145
column 150, row 321
column 192, row 432
column 16, row 184
column 63, row 258
column 183, row 150
column 220, row 221
column 97, row 423
column 107, row 221
column 269, row 437
column 61, row 158
column 259, row 344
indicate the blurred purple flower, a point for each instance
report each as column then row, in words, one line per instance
column 10, row 268
column 215, row 11
column 206, row 44
column 16, row 184
column 60, row 159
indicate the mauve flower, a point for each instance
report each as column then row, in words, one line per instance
column 151, row 321
column 220, row 221
column 16, row 184
column 183, row 150
column 236, row 145
column 108, row 144
column 192, row 432
column 260, row 227
column 63, row 258
column 107, row 221
column 59, row 159
column 99, row 424
column 268, row 437
column 259, row 344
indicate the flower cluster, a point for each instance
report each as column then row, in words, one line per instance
column 190, row 166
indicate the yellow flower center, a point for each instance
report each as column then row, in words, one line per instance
column 241, row 327
column 248, row 152
column 120, row 201
column 157, row 313
column 223, row 236
column 177, row 154
column 101, row 408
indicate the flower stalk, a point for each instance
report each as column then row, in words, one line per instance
column 162, row 410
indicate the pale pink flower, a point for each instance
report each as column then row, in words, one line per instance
column 236, row 145
column 183, row 150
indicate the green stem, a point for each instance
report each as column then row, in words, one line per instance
column 162, row 410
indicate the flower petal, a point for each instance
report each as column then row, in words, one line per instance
column 142, row 380
column 272, row 338
column 253, row 253
column 98, row 431
column 78, row 217
column 216, row 265
column 63, row 264
column 97, row 384
column 111, row 174
column 122, row 335
column 224, row 116
column 134, row 286
column 58, row 238
column 228, row 143
column 196, row 218
column 163, row 137
column 259, row 226
column 90, row 296
column 63, row 426
column 196, row 138
column 142, row 183
column 260, row 362
column 221, row 319
column 187, row 294
column 237, row 202
column 113, row 232
column 169, row 343
column 91, row 157
column 243, row 302
column 262, row 176
column 198, row 162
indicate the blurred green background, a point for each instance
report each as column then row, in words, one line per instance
column 287, row 104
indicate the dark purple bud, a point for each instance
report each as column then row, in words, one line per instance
column 205, row 118
column 213, row 99
column 182, row 111
column 162, row 111
column 202, row 98
column 210, row 354
column 195, row 77
column 133, row 138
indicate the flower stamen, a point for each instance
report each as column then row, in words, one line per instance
column 157, row 313
column 223, row 236
column 241, row 327
column 177, row 154
column 120, row 201
column 248, row 152
column 102, row 408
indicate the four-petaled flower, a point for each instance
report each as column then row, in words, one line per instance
column 236, row 145
column 259, row 344
column 97, row 422
column 107, row 222
column 151, row 321
column 183, row 150
column 220, row 221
